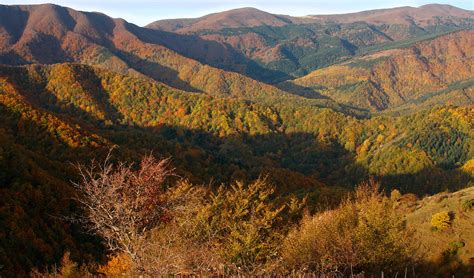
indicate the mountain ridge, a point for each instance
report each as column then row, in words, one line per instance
column 241, row 17
column 394, row 77
column 298, row 45
column 220, row 20
column 54, row 34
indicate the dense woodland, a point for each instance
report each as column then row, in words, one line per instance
column 53, row 116
column 203, row 168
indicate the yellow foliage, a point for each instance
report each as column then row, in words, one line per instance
column 246, row 227
column 395, row 195
column 364, row 233
column 441, row 220
column 380, row 138
column 67, row 269
column 120, row 264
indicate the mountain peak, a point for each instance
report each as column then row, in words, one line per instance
column 236, row 18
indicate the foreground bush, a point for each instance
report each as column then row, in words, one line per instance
column 364, row 233
column 441, row 220
column 244, row 226
column 152, row 228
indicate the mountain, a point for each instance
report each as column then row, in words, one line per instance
column 243, row 17
column 269, row 53
column 314, row 105
column 294, row 46
column 50, row 34
column 422, row 16
column 436, row 71
column 250, row 17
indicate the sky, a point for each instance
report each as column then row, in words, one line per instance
column 142, row 12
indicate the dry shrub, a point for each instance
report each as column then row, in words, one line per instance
column 365, row 233
column 153, row 229
column 122, row 204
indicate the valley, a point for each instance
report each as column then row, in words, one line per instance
column 270, row 122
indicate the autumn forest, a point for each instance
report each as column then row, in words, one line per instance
column 240, row 143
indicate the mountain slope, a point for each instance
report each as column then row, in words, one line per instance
column 100, row 100
column 392, row 78
column 55, row 115
column 51, row 34
column 293, row 46
column 456, row 244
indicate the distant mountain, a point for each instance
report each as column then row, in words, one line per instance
column 422, row 16
column 250, row 17
column 436, row 71
column 49, row 34
column 227, row 63
column 294, row 46
column 243, row 17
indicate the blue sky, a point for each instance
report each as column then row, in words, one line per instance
column 142, row 12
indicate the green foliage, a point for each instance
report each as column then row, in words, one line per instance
column 445, row 146
column 468, row 205
column 454, row 246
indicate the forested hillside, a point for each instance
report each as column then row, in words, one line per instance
column 294, row 46
column 56, row 115
column 96, row 39
column 437, row 71
column 302, row 146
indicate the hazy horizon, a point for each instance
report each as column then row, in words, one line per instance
column 143, row 12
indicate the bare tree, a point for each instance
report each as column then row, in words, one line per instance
column 122, row 205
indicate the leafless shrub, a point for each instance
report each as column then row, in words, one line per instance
column 122, row 204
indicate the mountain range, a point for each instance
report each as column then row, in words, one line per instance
column 427, row 15
column 233, row 53
column 316, row 103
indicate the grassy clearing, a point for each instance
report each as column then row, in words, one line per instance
column 456, row 241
